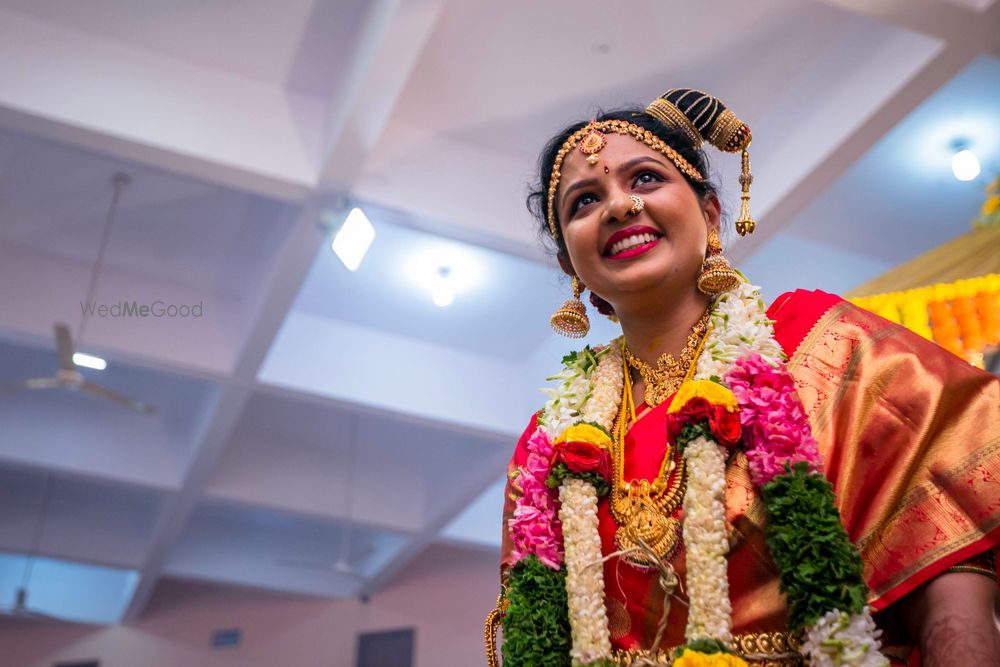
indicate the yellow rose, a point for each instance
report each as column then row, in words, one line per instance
column 713, row 392
column 692, row 658
column 585, row 433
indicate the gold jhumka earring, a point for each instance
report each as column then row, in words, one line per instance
column 717, row 274
column 571, row 320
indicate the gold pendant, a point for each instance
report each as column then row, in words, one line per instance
column 647, row 525
column 657, row 393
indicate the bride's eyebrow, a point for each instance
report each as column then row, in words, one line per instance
column 578, row 185
column 640, row 160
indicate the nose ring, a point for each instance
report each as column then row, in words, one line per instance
column 637, row 204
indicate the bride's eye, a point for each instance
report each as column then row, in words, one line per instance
column 581, row 201
column 645, row 177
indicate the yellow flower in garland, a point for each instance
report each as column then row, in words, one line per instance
column 713, row 392
column 585, row 433
column 991, row 205
column 692, row 658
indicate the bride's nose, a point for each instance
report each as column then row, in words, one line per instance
column 619, row 206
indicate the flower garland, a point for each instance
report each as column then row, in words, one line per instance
column 582, row 471
column 741, row 392
column 702, row 420
column 569, row 450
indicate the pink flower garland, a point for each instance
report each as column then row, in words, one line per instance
column 775, row 427
column 534, row 526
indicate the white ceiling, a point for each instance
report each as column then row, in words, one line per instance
column 248, row 127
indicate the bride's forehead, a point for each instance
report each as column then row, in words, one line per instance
column 618, row 149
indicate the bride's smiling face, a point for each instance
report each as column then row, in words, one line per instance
column 619, row 255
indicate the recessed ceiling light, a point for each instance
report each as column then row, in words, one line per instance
column 89, row 361
column 443, row 296
column 965, row 165
column 443, row 269
column 353, row 239
column 443, row 290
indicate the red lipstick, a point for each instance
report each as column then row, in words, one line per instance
column 620, row 241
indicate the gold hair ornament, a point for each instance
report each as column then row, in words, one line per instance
column 698, row 115
column 603, row 128
column 592, row 144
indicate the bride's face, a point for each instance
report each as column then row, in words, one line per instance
column 619, row 255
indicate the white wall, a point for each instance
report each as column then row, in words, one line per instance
column 445, row 595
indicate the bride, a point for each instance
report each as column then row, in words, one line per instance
column 809, row 484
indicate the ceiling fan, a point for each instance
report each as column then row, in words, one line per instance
column 68, row 376
column 20, row 609
column 347, row 562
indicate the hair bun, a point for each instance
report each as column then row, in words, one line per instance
column 702, row 117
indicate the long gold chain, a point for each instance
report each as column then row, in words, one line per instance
column 642, row 509
column 663, row 380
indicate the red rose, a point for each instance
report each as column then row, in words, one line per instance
column 695, row 411
column 581, row 457
column 725, row 426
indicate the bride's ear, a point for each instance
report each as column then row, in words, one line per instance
column 713, row 212
column 565, row 264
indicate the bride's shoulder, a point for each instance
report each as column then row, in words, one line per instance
column 803, row 300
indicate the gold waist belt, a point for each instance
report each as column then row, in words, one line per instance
column 759, row 649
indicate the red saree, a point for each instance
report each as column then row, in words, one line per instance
column 910, row 438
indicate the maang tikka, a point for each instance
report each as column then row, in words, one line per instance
column 717, row 274
column 571, row 320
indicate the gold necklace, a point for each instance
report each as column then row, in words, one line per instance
column 642, row 509
column 661, row 382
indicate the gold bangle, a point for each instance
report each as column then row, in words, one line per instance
column 973, row 569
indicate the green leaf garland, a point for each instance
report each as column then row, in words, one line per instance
column 560, row 471
column 536, row 629
column 819, row 568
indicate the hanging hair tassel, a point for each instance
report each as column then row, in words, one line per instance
column 745, row 224
column 702, row 117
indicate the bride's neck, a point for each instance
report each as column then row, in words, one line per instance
column 662, row 328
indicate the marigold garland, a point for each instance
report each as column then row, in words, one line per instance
column 963, row 317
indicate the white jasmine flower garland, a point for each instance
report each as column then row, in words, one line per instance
column 740, row 327
column 584, row 571
column 589, row 390
column 568, row 397
column 839, row 639
column 607, row 382
column 710, row 611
